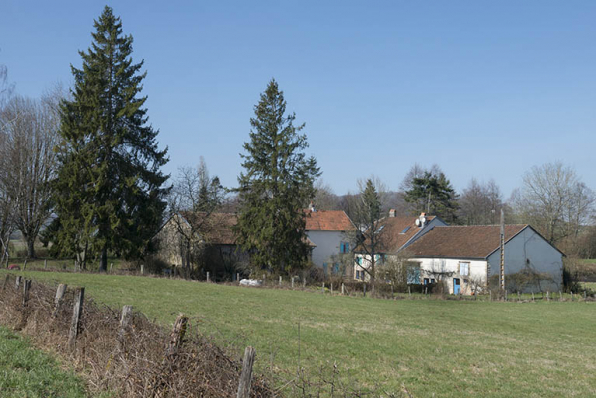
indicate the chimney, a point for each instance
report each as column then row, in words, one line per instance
column 422, row 219
column 392, row 213
column 311, row 207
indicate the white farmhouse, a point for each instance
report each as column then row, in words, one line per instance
column 330, row 231
column 467, row 258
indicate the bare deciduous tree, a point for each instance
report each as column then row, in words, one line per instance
column 194, row 198
column 325, row 199
column 481, row 203
column 28, row 161
column 554, row 200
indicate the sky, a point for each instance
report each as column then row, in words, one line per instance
column 483, row 89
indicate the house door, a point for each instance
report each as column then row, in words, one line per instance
column 455, row 285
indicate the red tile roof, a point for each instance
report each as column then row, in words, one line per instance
column 328, row 220
column 462, row 241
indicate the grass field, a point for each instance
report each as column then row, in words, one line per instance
column 445, row 348
column 27, row 372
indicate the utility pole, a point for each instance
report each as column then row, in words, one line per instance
column 502, row 273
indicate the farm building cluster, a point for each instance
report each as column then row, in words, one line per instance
column 462, row 259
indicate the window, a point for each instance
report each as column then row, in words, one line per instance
column 405, row 230
column 344, row 247
column 464, row 269
column 359, row 260
column 426, row 280
column 432, row 281
column 357, row 274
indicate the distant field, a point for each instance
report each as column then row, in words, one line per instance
column 27, row 372
column 445, row 348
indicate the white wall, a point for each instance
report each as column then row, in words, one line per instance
column 327, row 245
column 446, row 269
column 529, row 251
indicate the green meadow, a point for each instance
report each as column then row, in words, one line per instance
column 28, row 372
column 441, row 348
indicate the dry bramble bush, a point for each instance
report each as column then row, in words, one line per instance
column 133, row 363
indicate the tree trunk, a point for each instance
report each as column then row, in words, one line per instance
column 30, row 247
column 103, row 263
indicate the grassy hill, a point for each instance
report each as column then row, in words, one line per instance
column 445, row 348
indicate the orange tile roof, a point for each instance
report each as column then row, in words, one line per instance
column 328, row 220
column 462, row 241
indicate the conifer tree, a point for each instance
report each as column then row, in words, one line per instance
column 433, row 193
column 369, row 224
column 109, row 190
column 277, row 180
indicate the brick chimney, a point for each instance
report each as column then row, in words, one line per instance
column 311, row 207
column 392, row 213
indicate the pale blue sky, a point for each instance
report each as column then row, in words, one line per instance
column 485, row 89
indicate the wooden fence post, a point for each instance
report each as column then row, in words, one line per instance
column 547, row 296
column 17, row 282
column 292, row 282
column 177, row 335
column 25, row 265
column 76, row 318
column 331, row 287
column 58, row 299
column 409, row 291
column 343, row 289
column 246, row 374
column 572, row 297
column 208, row 279
column 280, row 280
column 323, row 288
column 584, row 291
column 560, row 296
column 26, row 289
column 490, row 295
column 364, row 290
column 238, row 277
column 125, row 321
column 533, row 296
column 111, row 267
column 304, row 282
column 143, row 270
column 45, row 264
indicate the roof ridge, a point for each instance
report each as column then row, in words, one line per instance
column 483, row 225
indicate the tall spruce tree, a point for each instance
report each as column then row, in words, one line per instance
column 109, row 189
column 277, row 181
